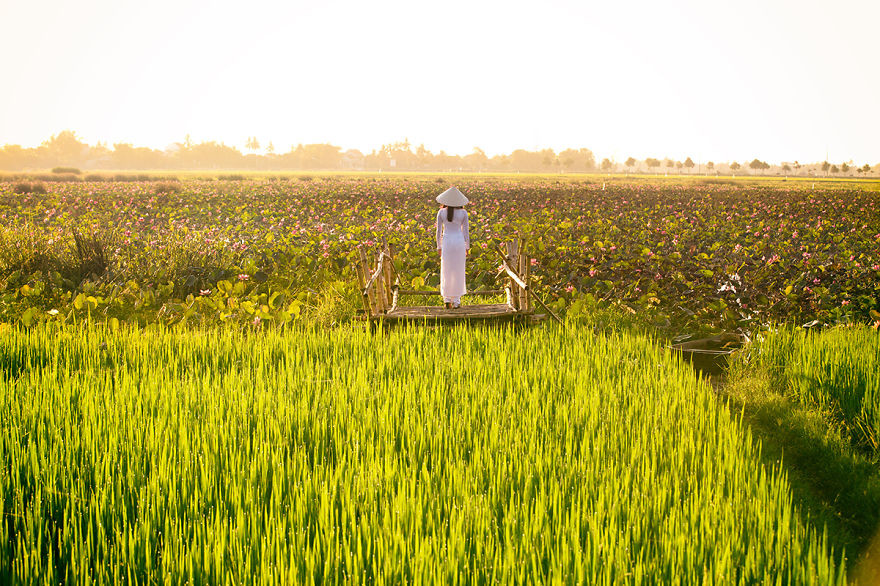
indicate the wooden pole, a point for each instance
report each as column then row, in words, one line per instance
column 378, row 283
column 524, row 292
column 373, row 288
column 365, row 290
column 519, row 281
column 525, row 272
column 477, row 292
column 511, row 271
column 371, row 292
column 510, row 262
column 389, row 254
column 550, row 311
column 388, row 281
column 359, row 269
column 380, row 296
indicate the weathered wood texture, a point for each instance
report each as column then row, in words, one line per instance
column 381, row 292
column 430, row 292
column 438, row 313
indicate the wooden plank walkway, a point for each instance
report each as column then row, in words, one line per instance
column 439, row 313
column 381, row 292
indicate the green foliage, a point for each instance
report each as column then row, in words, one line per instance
column 167, row 187
column 332, row 456
column 23, row 187
column 836, row 371
column 833, row 484
column 695, row 257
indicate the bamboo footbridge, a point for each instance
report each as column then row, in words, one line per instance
column 381, row 291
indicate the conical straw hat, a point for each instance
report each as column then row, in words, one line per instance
column 452, row 197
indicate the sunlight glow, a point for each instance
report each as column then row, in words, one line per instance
column 777, row 80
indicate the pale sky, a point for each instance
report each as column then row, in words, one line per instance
column 721, row 81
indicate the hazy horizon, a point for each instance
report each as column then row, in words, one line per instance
column 778, row 81
column 275, row 150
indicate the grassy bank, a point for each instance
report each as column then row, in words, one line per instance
column 808, row 397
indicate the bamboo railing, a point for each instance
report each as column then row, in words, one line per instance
column 379, row 283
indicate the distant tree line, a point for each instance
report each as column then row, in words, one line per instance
column 65, row 149
column 757, row 166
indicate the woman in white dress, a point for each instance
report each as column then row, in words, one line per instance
column 453, row 245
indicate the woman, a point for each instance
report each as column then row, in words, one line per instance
column 453, row 244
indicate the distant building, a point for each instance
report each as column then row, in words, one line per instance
column 353, row 159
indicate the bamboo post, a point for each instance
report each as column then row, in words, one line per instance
column 378, row 282
column 370, row 287
column 514, row 276
column 380, row 295
column 394, row 272
column 521, row 270
column 364, row 270
column 511, row 262
column 395, row 284
column 359, row 269
column 386, row 267
column 503, row 252
column 525, row 273
column 374, row 287
column 371, row 290
column 389, row 258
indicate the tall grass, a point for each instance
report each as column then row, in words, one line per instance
column 314, row 456
column 837, row 371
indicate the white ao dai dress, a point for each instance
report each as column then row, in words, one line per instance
column 453, row 240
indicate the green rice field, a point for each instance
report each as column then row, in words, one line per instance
column 837, row 371
column 316, row 456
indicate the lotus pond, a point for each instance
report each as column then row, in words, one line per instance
column 703, row 255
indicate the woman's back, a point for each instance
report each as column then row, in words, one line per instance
column 459, row 219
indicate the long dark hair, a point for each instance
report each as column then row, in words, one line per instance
column 450, row 211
